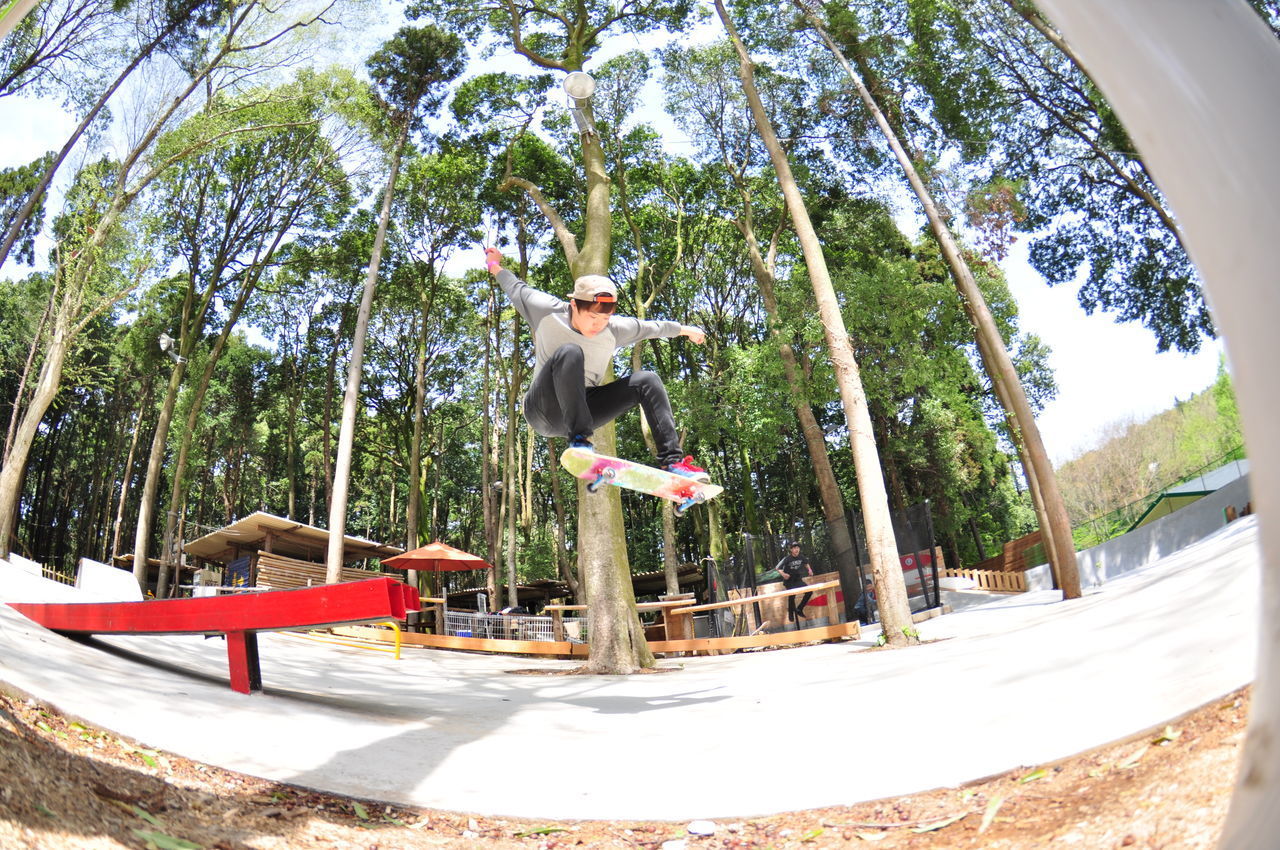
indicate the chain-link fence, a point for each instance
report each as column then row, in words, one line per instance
column 512, row 626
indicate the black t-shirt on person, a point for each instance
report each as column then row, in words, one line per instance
column 792, row 568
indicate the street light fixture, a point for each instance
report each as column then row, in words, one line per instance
column 579, row 87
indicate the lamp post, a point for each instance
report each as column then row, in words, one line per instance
column 579, row 86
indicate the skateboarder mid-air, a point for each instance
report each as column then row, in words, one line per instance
column 574, row 342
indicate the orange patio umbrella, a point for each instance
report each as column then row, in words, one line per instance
column 436, row 557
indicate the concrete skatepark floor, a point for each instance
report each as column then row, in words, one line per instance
column 994, row 710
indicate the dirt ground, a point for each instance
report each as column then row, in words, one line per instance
column 64, row 784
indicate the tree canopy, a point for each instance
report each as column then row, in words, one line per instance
column 244, row 223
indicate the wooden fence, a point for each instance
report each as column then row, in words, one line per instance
column 1016, row 555
column 1009, row 582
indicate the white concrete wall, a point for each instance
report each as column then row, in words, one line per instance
column 19, row 584
column 27, row 565
column 1152, row 541
column 22, row 580
column 105, row 583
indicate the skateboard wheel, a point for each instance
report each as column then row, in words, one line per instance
column 680, row 509
column 603, row 477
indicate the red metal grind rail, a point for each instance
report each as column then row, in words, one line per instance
column 239, row 617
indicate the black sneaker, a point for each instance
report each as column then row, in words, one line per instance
column 578, row 441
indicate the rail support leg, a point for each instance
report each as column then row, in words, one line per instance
column 242, row 659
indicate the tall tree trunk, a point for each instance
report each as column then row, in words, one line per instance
column 355, row 370
column 11, row 474
column 617, row 638
column 891, row 590
column 106, row 487
column 413, row 503
column 126, row 475
column 291, row 438
column 815, row 439
column 191, row 325
column 486, row 437
column 510, row 488
column 169, row 545
column 1056, row 525
column 326, row 442
column 151, row 483
column 567, row 572
column 26, row 372
column 670, row 561
column 526, row 504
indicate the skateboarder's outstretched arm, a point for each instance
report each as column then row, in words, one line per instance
column 534, row 305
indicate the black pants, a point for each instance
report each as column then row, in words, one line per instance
column 560, row 404
column 795, row 609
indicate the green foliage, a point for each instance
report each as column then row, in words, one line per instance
column 410, row 71
column 557, row 34
column 16, row 186
column 499, row 97
column 1109, row 486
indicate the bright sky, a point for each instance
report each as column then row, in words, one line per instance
column 1106, row 372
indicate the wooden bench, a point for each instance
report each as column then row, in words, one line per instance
column 677, row 629
column 834, row 630
column 239, row 617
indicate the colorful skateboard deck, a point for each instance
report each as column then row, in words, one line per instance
column 598, row 470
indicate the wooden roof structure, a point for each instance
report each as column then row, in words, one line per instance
column 654, row 582
column 281, row 536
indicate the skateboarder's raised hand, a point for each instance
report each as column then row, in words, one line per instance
column 493, row 259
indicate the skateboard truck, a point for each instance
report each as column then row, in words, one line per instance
column 602, row 478
column 696, row 499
